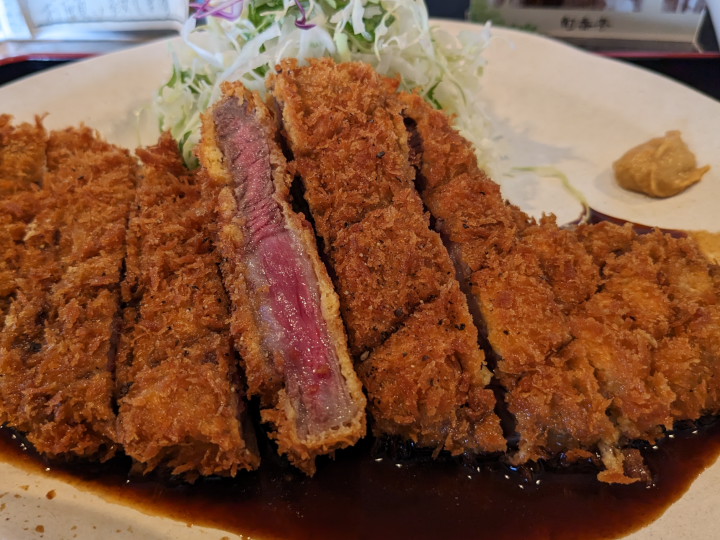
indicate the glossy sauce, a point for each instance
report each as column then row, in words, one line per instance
column 364, row 495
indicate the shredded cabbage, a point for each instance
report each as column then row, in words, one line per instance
column 395, row 36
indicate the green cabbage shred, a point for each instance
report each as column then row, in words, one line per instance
column 395, row 36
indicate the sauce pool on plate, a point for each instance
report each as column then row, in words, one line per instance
column 362, row 494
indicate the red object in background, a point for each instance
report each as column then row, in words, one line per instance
column 46, row 57
column 19, row 66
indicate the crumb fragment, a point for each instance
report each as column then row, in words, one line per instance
column 709, row 243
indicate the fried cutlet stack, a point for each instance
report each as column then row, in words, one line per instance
column 116, row 335
column 58, row 344
column 600, row 336
column 285, row 319
column 339, row 235
column 180, row 396
column 408, row 323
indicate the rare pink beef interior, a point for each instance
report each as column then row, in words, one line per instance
column 282, row 279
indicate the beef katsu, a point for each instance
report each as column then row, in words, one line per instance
column 285, row 319
column 590, row 327
column 416, row 348
column 180, row 396
column 57, row 349
column 339, row 249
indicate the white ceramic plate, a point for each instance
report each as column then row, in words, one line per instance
column 550, row 104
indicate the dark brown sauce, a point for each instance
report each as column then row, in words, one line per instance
column 360, row 496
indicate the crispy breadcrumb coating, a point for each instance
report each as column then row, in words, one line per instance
column 386, row 266
column 393, row 275
column 16, row 212
column 424, row 383
column 591, row 327
column 347, row 139
column 662, row 287
column 22, row 163
column 57, row 349
column 180, row 402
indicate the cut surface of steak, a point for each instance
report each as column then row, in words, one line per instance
column 281, row 278
column 311, row 395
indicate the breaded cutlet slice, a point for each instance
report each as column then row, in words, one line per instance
column 635, row 314
column 21, row 339
column 180, row 397
column 350, row 148
column 692, row 283
column 621, row 313
column 551, row 391
column 22, row 163
column 426, row 382
column 58, row 347
column 285, row 313
column 348, row 140
column 601, row 304
column 628, row 323
column 524, row 280
column 466, row 204
column 22, row 155
column 387, row 265
column 16, row 211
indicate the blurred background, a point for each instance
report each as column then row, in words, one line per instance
column 672, row 37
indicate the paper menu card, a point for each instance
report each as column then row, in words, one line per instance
column 84, row 26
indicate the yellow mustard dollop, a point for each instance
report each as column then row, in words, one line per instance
column 660, row 167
